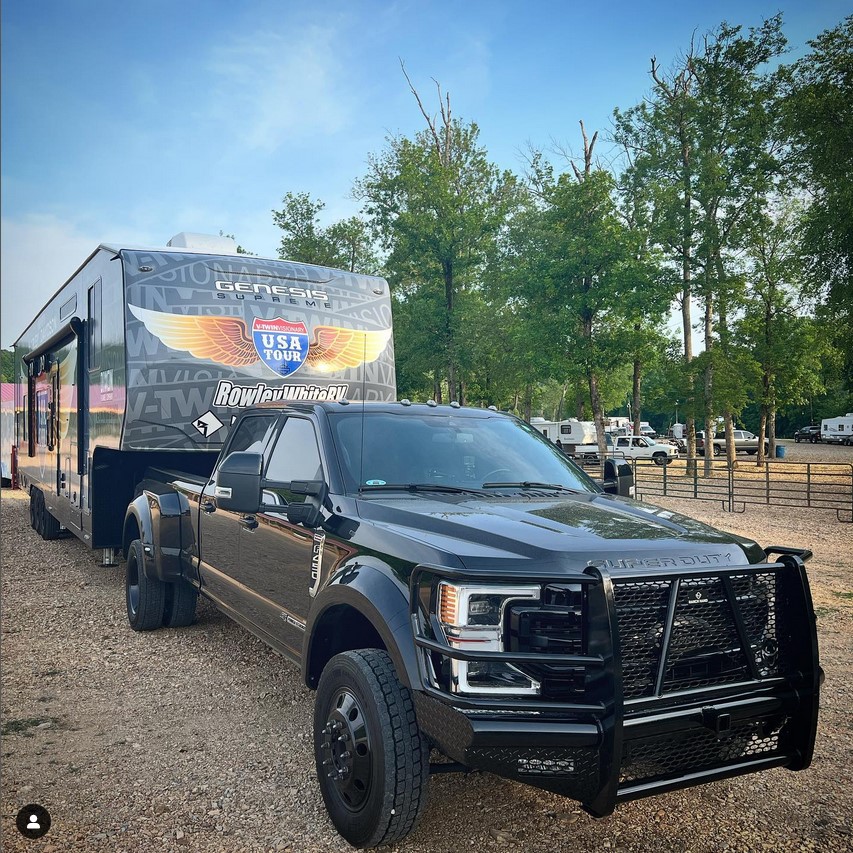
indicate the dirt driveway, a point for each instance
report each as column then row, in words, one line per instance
column 200, row 738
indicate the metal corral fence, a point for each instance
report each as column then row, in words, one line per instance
column 809, row 485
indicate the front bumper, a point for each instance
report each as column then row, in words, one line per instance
column 647, row 721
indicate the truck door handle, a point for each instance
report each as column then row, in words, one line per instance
column 249, row 522
column 208, row 506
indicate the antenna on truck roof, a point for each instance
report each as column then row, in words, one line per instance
column 363, row 401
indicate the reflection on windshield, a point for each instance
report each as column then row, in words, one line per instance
column 449, row 450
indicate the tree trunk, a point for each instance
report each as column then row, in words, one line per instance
column 636, row 396
column 528, row 401
column 436, row 387
column 449, row 343
column 598, row 417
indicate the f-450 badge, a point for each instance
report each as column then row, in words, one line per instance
column 283, row 346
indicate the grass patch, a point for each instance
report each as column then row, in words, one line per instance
column 822, row 612
column 845, row 595
column 23, row 726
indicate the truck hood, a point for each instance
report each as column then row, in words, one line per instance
column 569, row 530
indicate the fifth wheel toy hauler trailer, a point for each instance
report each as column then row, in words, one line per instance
column 145, row 356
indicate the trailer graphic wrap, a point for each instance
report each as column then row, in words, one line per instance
column 283, row 346
column 207, row 335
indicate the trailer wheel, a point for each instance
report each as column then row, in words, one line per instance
column 50, row 527
column 145, row 596
column 179, row 606
column 35, row 494
column 372, row 760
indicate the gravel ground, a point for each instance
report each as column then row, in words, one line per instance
column 200, row 738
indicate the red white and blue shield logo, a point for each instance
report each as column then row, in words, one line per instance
column 282, row 346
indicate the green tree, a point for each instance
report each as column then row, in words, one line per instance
column 7, row 366
column 437, row 202
column 575, row 273
column 345, row 244
column 704, row 143
column 818, row 119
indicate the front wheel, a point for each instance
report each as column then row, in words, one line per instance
column 660, row 458
column 717, row 450
column 372, row 761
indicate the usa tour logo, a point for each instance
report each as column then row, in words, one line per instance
column 281, row 345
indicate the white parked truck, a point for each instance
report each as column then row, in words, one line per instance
column 630, row 447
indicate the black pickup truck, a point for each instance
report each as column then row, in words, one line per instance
column 448, row 580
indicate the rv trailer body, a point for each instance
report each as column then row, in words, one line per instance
column 148, row 353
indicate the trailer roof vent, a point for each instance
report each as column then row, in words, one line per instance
column 212, row 243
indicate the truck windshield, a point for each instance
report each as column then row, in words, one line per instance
column 465, row 452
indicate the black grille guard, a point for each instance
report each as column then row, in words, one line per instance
column 793, row 688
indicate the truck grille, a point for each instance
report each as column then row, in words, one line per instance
column 649, row 759
column 705, row 647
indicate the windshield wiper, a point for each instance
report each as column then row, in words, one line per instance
column 420, row 487
column 530, row 484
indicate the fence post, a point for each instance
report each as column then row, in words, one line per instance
column 731, row 475
column 808, row 484
column 767, row 482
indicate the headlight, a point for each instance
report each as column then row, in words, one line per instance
column 472, row 618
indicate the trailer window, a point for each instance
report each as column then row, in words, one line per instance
column 95, row 336
column 68, row 308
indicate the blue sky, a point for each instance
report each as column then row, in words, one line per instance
column 132, row 122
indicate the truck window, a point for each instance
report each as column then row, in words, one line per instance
column 295, row 455
column 253, row 434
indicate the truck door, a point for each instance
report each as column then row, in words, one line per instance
column 275, row 554
column 219, row 529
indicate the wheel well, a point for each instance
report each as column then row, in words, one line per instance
column 131, row 532
column 341, row 628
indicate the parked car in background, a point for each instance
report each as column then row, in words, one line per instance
column 745, row 442
column 808, row 433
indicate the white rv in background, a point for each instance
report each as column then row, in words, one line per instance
column 837, row 430
column 569, row 432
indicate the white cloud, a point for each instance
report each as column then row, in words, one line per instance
column 39, row 254
column 274, row 89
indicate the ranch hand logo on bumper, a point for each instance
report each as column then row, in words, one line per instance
column 282, row 346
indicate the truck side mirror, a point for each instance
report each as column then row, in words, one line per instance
column 238, row 482
column 618, row 478
column 308, row 514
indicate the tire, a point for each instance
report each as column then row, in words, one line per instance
column 374, row 780
column 50, row 528
column 660, row 458
column 145, row 597
column 717, row 450
column 35, row 494
column 179, row 605
column 797, row 440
